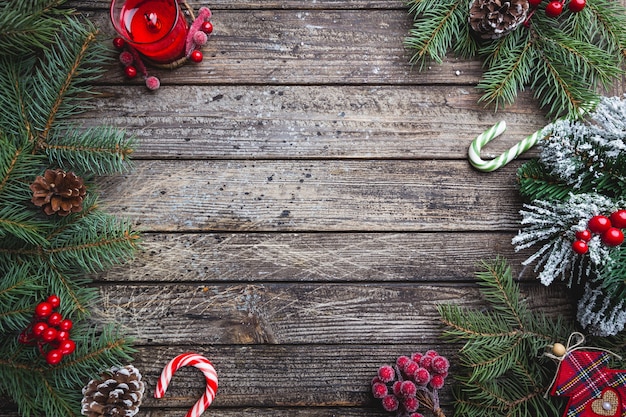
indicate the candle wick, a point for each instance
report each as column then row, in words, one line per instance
column 152, row 21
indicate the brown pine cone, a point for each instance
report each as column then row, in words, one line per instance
column 117, row 394
column 58, row 192
column 492, row 19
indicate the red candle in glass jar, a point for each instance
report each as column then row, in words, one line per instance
column 155, row 28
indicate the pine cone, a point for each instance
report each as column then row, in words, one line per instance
column 117, row 394
column 492, row 19
column 58, row 192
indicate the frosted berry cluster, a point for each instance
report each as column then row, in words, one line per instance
column 608, row 228
column 411, row 383
column 49, row 331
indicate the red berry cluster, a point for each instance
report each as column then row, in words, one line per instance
column 412, row 381
column 49, row 331
column 555, row 7
column 609, row 229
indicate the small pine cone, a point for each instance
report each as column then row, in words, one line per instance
column 117, row 394
column 58, row 192
column 492, row 19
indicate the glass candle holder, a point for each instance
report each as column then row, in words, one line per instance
column 155, row 28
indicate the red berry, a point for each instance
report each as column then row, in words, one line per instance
column 62, row 335
column 65, row 325
column 618, row 219
column 207, row 27
column 54, row 300
column 386, row 373
column 437, row 382
column 411, row 404
column 613, row 237
column 38, row 328
column 390, row 403
column 43, row 309
column 431, row 352
column 534, row 3
column 411, row 367
column 580, row 247
column 119, row 43
column 54, row 356
column 554, row 8
column 417, row 357
column 584, row 235
column 421, row 376
column 49, row 334
column 416, row 415
column 599, row 224
column 408, row 389
column 55, row 319
column 130, row 71
column 396, row 388
column 426, row 361
column 576, row 5
column 67, row 347
column 196, row 56
column 440, row 365
column 402, row 361
column 379, row 390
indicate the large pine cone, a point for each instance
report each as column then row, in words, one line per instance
column 492, row 19
column 117, row 394
column 58, row 192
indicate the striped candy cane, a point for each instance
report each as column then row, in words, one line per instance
column 506, row 157
column 200, row 362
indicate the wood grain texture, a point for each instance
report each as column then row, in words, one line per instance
column 315, row 257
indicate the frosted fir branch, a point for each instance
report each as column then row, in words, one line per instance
column 599, row 314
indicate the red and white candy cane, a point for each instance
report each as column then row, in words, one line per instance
column 200, row 362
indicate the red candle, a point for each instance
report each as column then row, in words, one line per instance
column 156, row 28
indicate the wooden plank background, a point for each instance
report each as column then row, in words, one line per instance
column 305, row 202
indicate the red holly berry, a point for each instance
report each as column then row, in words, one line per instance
column 576, row 5
column 207, row 27
column 534, row 3
column 67, row 347
column 54, row 301
column 386, row 373
column 437, row 382
column 613, row 237
column 580, row 247
column 38, row 328
column 62, row 335
column 119, row 43
column 130, row 71
column 390, row 402
column 599, row 224
column 584, row 235
column 54, row 357
column 196, row 56
column 554, row 8
column 55, row 319
column 43, row 309
column 49, row 334
column 379, row 390
column 66, row 325
column 618, row 219
column 411, row 404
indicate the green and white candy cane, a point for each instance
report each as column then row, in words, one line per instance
column 507, row 156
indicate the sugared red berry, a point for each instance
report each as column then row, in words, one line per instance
column 386, row 373
column 440, row 365
column 554, row 8
column 613, row 237
column 66, row 325
column 390, row 402
column 426, row 361
column 599, row 224
column 618, row 219
column 54, row 301
column 396, row 388
column 580, row 247
column 38, row 328
column 119, row 43
column 379, row 390
column 411, row 367
column 54, row 357
column 437, row 382
column 431, row 352
column 421, row 376
column 49, row 334
column 576, row 5
column 55, row 319
column 584, row 235
column 402, row 361
column 534, row 3
column 67, row 346
column 130, row 71
column 417, row 357
column 408, row 389
column 410, row 404
column 416, row 415
column 207, row 27
column 126, row 58
column 153, row 83
column 196, row 56
column 43, row 309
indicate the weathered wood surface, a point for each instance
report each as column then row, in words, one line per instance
column 305, row 203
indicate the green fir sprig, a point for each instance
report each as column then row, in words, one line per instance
column 49, row 58
column 563, row 60
column 502, row 372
